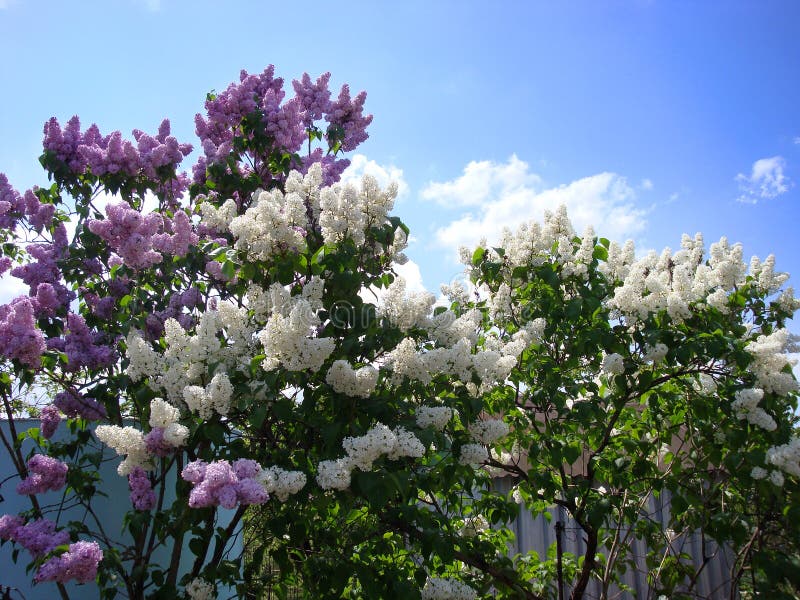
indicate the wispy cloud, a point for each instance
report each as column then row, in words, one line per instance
column 766, row 181
column 646, row 184
column 796, row 140
column 506, row 195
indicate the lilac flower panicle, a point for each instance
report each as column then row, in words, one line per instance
column 37, row 537
column 221, row 484
column 129, row 233
column 112, row 154
column 20, row 339
column 74, row 404
column 9, row 525
column 50, row 418
column 5, row 264
column 347, row 114
column 45, row 474
column 12, row 205
column 82, row 348
column 79, row 562
column 142, row 495
column 314, row 97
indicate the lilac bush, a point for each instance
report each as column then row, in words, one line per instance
column 221, row 352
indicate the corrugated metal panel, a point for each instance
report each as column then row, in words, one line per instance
column 537, row 533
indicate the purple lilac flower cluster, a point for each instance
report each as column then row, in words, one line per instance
column 348, row 115
column 43, row 276
column 82, row 347
column 156, row 444
column 286, row 123
column 223, row 484
column 19, row 337
column 45, row 474
column 112, row 154
column 38, row 537
column 141, row 239
column 14, row 206
column 79, row 562
column 142, row 495
column 50, row 418
column 74, row 404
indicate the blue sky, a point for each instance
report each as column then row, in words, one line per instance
column 648, row 118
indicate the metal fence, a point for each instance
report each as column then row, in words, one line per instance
column 714, row 563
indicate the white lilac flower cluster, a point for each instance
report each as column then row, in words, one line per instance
column 488, row 431
column 473, row 454
column 287, row 341
column 612, row 364
column 458, row 360
column 786, row 456
column 219, row 219
column 364, row 450
column 474, row 525
column 769, row 280
column 281, row 483
column 775, row 477
column 434, row 416
column 165, row 416
column 769, row 360
column 438, row 588
column 745, row 406
column 353, row 382
column 128, row 442
column 214, row 398
column 274, row 223
column 200, row 589
column 223, row 337
column 347, row 211
column 655, row 354
column 405, row 311
column 577, row 264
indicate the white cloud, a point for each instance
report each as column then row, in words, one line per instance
column 796, row 140
column 360, row 165
column 11, row 287
column 646, row 184
column 483, row 181
column 506, row 195
column 766, row 180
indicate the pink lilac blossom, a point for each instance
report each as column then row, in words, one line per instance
column 38, row 537
column 5, row 264
column 45, row 474
column 79, row 562
column 129, row 233
column 142, row 495
column 221, row 484
column 45, row 269
column 314, row 97
column 286, row 123
column 156, row 444
column 113, row 154
column 74, row 404
column 12, row 205
column 347, row 114
column 19, row 338
column 50, row 418
column 181, row 238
